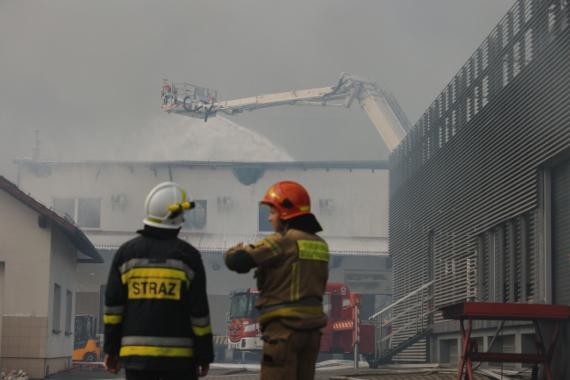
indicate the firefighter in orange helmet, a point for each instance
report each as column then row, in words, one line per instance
column 292, row 272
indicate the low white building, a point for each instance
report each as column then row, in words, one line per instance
column 39, row 253
column 106, row 200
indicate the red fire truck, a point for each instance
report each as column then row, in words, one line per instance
column 339, row 336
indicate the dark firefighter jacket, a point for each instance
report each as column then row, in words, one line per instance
column 292, row 273
column 156, row 309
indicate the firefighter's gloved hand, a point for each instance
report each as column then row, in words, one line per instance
column 238, row 260
column 112, row 363
column 202, row 370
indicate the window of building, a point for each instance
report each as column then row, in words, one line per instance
column 264, row 225
column 65, row 207
column 197, row 218
column 86, row 212
column 56, row 312
column 507, row 262
column 326, row 206
column 89, row 212
column 68, row 311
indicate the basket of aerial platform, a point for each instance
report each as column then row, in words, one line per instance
column 189, row 99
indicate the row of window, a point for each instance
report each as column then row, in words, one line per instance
column 508, row 49
column 56, row 312
column 86, row 213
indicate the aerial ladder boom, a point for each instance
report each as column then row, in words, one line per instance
column 380, row 106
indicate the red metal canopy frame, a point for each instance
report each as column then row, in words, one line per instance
column 535, row 313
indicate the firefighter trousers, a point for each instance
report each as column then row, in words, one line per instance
column 132, row 374
column 289, row 354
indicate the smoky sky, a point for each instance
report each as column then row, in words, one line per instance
column 87, row 74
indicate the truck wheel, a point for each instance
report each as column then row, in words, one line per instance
column 90, row 357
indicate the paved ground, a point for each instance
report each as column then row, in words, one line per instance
column 236, row 374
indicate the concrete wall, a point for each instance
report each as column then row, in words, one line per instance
column 25, row 253
column 1, row 306
column 62, row 272
column 31, row 265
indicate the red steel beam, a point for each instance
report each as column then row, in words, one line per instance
column 505, row 311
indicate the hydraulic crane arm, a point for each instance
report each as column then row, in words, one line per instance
column 380, row 106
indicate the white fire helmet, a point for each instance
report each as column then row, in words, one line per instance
column 165, row 205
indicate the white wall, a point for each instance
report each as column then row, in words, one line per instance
column 360, row 195
column 62, row 271
column 1, row 306
column 24, row 249
column 360, row 199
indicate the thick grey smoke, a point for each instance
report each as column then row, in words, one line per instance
column 87, row 74
column 176, row 137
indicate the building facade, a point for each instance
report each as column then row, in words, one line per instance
column 480, row 188
column 106, row 200
column 39, row 253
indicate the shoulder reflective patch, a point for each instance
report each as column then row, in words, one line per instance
column 201, row 322
column 273, row 246
column 167, row 264
column 154, row 288
column 313, row 250
column 175, row 274
column 257, row 244
column 114, row 309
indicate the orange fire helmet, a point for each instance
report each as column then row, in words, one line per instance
column 289, row 198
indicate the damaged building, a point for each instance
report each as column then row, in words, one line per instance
column 106, row 201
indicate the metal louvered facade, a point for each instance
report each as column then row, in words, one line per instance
column 561, row 233
column 469, row 179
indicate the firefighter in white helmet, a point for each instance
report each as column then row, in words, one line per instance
column 165, row 205
column 157, row 323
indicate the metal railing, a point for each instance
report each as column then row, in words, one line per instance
column 415, row 319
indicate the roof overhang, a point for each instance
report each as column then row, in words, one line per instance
column 71, row 231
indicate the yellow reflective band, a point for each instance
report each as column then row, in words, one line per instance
column 292, row 311
column 155, row 220
column 201, row 331
column 175, row 274
column 180, row 206
column 313, row 250
column 295, row 281
column 156, row 351
column 274, row 248
column 110, row 319
column 305, row 208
